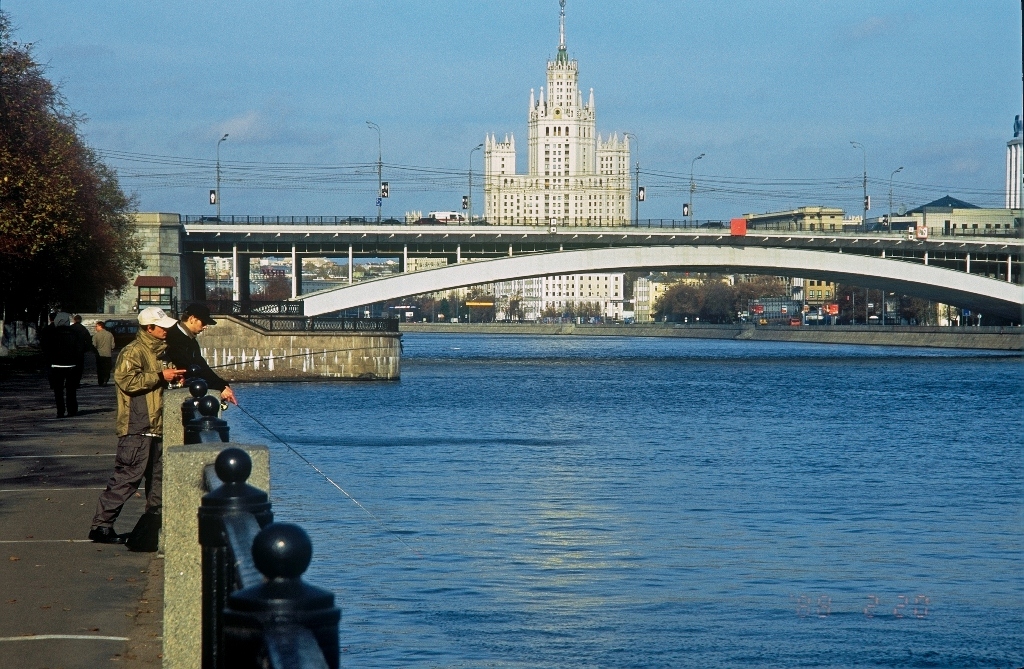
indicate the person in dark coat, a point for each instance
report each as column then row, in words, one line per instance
column 183, row 348
column 83, row 334
column 64, row 350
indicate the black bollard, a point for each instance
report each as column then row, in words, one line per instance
column 282, row 617
column 197, row 388
column 207, row 428
column 235, row 508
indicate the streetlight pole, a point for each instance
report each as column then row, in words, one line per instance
column 469, row 200
column 858, row 145
column 636, row 189
column 380, row 199
column 693, row 186
column 218, row 173
column 894, row 173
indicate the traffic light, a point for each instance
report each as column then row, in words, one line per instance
column 686, row 210
column 465, row 202
column 384, row 189
column 867, row 203
column 640, row 195
column 213, row 196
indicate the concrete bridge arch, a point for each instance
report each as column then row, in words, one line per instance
column 975, row 292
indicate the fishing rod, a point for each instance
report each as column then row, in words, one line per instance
column 331, row 481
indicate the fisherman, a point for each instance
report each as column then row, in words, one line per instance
column 183, row 347
column 140, row 379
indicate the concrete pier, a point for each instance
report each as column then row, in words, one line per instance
column 243, row 352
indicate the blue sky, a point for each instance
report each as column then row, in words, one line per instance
column 773, row 93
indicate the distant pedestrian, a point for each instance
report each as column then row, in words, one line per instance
column 140, row 379
column 83, row 334
column 183, row 348
column 103, row 344
column 64, row 351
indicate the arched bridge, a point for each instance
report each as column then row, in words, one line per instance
column 981, row 272
column 981, row 293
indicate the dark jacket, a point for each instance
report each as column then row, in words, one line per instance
column 62, row 346
column 183, row 351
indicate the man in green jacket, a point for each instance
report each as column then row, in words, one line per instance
column 140, row 379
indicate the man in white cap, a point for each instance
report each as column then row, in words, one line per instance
column 140, row 379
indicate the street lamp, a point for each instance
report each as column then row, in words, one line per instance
column 894, row 172
column 380, row 199
column 693, row 186
column 636, row 191
column 218, row 172
column 858, row 145
column 469, row 200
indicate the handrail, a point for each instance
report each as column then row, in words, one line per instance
column 257, row 611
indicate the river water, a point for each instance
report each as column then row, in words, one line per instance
column 620, row 502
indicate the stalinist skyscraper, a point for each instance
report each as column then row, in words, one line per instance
column 573, row 176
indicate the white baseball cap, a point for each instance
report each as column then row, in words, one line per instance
column 155, row 316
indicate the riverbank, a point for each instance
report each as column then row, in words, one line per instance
column 67, row 601
column 987, row 338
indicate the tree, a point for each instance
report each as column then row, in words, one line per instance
column 713, row 300
column 67, row 230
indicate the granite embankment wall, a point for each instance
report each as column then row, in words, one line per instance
column 991, row 338
column 242, row 352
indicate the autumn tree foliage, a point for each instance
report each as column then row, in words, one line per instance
column 713, row 300
column 67, row 230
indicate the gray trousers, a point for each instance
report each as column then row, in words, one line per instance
column 137, row 458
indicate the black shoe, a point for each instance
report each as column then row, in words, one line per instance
column 105, row 535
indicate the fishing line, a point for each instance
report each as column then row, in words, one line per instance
column 332, row 482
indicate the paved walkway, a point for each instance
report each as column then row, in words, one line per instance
column 66, row 602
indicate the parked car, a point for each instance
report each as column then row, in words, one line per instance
column 795, row 321
column 124, row 331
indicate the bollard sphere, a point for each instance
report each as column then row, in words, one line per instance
column 282, row 550
column 194, row 372
column 198, row 387
column 233, row 465
column 209, row 406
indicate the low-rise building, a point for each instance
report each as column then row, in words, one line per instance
column 829, row 219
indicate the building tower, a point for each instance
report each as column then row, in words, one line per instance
column 573, row 176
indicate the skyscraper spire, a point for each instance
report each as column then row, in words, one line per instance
column 561, row 25
column 563, row 56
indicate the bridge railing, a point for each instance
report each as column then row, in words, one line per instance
column 243, row 307
column 274, row 323
column 983, row 229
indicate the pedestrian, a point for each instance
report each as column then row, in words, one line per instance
column 140, row 379
column 83, row 333
column 183, row 348
column 64, row 351
column 103, row 344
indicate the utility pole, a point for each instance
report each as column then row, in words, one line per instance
column 469, row 202
column 218, row 173
column 380, row 165
column 858, row 145
column 894, row 173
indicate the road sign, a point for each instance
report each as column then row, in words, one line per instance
column 213, row 197
column 380, row 201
